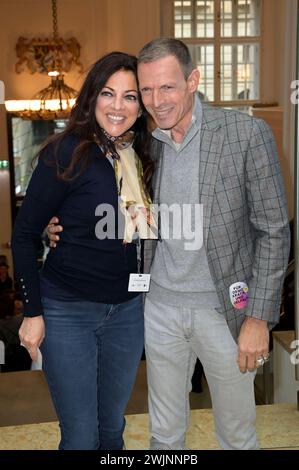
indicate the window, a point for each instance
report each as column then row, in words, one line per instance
column 224, row 39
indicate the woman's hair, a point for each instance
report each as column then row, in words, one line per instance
column 83, row 124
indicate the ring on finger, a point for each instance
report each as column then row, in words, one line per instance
column 260, row 361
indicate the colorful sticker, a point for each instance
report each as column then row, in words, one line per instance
column 239, row 295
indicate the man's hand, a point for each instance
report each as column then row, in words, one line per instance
column 253, row 343
column 31, row 334
column 52, row 230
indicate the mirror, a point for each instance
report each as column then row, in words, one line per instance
column 24, row 139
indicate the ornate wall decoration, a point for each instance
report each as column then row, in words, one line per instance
column 43, row 55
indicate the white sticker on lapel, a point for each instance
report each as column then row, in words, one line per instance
column 238, row 293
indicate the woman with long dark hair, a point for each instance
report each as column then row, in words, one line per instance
column 79, row 309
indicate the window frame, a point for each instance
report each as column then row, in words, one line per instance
column 167, row 30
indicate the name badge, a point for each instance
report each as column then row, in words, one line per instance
column 139, row 282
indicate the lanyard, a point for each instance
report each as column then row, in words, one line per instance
column 138, row 250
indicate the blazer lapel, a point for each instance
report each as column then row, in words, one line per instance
column 210, row 152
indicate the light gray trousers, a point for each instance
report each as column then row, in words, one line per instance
column 174, row 337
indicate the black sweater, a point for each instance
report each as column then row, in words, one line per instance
column 83, row 265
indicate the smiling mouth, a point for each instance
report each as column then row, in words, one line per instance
column 163, row 113
column 115, row 119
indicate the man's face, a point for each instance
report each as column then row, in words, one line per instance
column 166, row 94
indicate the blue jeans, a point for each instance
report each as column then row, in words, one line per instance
column 91, row 353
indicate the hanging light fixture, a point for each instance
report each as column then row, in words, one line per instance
column 52, row 56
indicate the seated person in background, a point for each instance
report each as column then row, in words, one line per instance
column 5, row 279
column 11, row 317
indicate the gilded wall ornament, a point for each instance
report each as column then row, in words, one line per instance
column 43, row 55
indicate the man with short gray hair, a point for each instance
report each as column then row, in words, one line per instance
column 216, row 302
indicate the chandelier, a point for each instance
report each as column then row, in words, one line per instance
column 52, row 56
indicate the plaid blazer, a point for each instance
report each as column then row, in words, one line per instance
column 246, row 227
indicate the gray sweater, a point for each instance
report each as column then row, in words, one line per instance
column 180, row 274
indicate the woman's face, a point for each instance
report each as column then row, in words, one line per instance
column 117, row 106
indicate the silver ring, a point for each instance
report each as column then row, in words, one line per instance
column 260, row 361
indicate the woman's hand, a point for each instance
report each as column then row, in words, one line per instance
column 52, row 229
column 31, row 334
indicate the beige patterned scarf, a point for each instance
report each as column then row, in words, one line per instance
column 135, row 202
